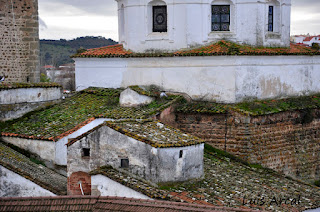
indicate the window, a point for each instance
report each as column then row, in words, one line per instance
column 270, row 19
column 85, row 152
column 180, row 153
column 159, row 19
column 220, row 18
column 124, row 163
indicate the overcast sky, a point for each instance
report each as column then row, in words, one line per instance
column 69, row 19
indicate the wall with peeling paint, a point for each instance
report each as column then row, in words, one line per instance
column 227, row 79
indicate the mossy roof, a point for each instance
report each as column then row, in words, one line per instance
column 253, row 108
column 38, row 174
column 154, row 133
column 226, row 182
column 62, row 119
column 7, row 86
column 214, row 49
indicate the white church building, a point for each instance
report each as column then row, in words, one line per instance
column 176, row 45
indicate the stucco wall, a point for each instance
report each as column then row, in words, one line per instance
column 14, row 185
column 104, row 186
column 19, row 41
column 189, row 24
column 213, row 78
column 21, row 95
column 108, row 147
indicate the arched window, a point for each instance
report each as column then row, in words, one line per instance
column 221, row 15
column 159, row 16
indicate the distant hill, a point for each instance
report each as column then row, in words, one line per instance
column 58, row 52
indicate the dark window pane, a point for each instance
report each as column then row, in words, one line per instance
column 160, row 19
column 124, row 163
column 215, row 18
column 270, row 19
column 225, row 18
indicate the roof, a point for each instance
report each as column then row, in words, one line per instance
column 38, row 174
column 60, row 120
column 7, row 86
column 310, row 38
column 150, row 132
column 227, row 182
column 215, row 49
column 253, row 108
column 88, row 203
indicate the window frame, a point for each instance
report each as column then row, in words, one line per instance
column 220, row 18
column 154, row 7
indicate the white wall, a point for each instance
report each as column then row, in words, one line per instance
column 61, row 148
column 189, row 24
column 226, row 79
column 104, row 186
column 53, row 152
column 21, row 95
column 14, row 185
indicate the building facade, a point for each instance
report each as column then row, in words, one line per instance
column 168, row 25
column 19, row 42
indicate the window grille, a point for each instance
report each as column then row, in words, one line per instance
column 159, row 19
column 220, row 18
column 270, row 19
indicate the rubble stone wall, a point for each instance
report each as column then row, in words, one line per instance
column 19, row 42
column 288, row 142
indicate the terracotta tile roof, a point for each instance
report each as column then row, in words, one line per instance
column 60, row 120
column 107, row 50
column 88, row 203
column 215, row 49
column 310, row 38
column 38, row 174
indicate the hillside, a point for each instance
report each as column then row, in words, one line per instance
column 57, row 52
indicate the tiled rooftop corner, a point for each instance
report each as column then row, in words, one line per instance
column 38, row 174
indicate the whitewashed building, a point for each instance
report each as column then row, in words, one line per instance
column 169, row 25
column 180, row 46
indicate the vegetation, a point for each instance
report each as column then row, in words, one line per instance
column 58, row 52
column 44, row 78
column 6, row 86
column 316, row 46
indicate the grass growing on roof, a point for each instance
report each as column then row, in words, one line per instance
column 93, row 102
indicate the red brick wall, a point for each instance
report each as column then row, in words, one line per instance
column 74, row 183
column 286, row 142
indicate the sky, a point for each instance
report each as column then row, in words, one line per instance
column 69, row 19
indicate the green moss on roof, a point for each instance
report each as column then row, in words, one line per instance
column 254, row 108
column 7, row 86
column 154, row 133
column 51, row 123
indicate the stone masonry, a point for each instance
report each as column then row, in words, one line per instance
column 287, row 142
column 19, row 42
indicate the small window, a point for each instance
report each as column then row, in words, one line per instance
column 270, row 19
column 86, row 152
column 220, row 18
column 124, row 163
column 159, row 19
column 180, row 153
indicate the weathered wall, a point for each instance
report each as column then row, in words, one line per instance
column 189, row 24
column 213, row 78
column 108, row 147
column 79, row 183
column 19, row 42
column 287, row 142
column 104, row 186
column 13, row 185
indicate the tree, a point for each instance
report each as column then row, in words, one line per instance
column 315, row 46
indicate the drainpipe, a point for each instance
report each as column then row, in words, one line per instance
column 81, row 188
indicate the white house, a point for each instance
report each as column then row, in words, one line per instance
column 312, row 39
column 169, row 25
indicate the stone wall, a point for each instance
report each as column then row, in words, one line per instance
column 287, row 142
column 19, row 42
